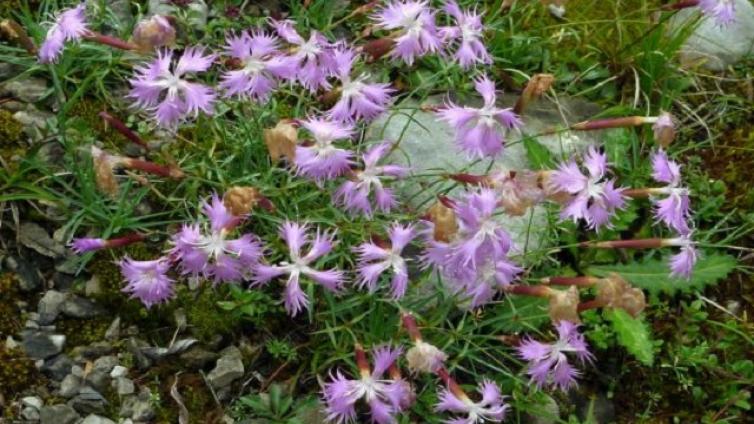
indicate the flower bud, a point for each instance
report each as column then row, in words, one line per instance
column 564, row 305
column 281, row 140
column 616, row 292
column 153, row 33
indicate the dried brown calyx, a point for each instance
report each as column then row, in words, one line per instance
column 281, row 140
column 615, row 292
column 241, row 200
column 153, row 33
column 564, row 305
column 444, row 220
column 535, row 88
column 518, row 190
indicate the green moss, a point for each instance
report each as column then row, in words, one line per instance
column 17, row 372
column 204, row 317
column 87, row 111
column 10, row 319
column 83, row 332
column 10, row 129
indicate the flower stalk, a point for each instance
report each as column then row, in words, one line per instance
column 123, row 129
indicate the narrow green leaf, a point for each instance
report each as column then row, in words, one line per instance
column 654, row 275
column 539, row 156
column 632, row 334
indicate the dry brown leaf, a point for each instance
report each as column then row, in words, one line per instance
column 240, row 200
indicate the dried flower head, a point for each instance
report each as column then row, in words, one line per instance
column 153, row 33
column 281, row 140
column 615, row 292
column 444, row 222
column 564, row 305
column 664, row 129
column 424, row 357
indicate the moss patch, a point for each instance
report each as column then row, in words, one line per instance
column 10, row 316
column 10, row 129
column 17, row 372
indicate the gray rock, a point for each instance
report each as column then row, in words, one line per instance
column 716, row 47
column 35, row 122
column 227, row 369
column 51, row 153
column 88, row 401
column 428, row 146
column 124, row 386
column 58, row 367
column 58, row 414
column 94, row 350
column 105, row 364
column 93, row 286
column 42, row 345
column 157, row 353
column 80, row 307
column 118, row 371
column 33, row 402
column 113, row 331
column 139, row 407
column 70, row 386
column 96, row 419
column 30, row 414
column 135, row 346
column 49, row 306
column 36, row 238
column 28, row 277
column 99, row 380
column 198, row 358
column 29, row 90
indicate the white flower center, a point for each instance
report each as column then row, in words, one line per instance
column 253, row 65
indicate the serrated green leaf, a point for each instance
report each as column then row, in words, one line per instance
column 539, row 156
column 654, row 275
column 632, row 334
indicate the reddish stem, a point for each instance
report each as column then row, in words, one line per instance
column 583, row 281
column 681, row 5
column 535, row 291
column 409, row 322
column 637, row 193
column 453, row 386
column 125, row 240
column 447, row 201
column 361, row 359
column 470, row 179
column 153, row 168
column 599, row 124
column 110, row 41
column 123, row 129
column 590, row 304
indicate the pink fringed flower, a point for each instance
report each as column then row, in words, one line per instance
column 479, row 234
column 147, row 280
column 415, row 24
column 722, row 11
column 322, row 160
column 70, row 25
column 208, row 251
column 673, row 210
column 311, row 61
column 354, row 193
column 481, row 283
column 87, row 244
column 481, row 132
column 548, row 363
column 491, row 408
column 466, row 36
column 260, row 67
column 166, row 93
column 374, row 260
column 359, row 99
column 593, row 198
column 682, row 263
column 300, row 264
column 384, row 397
